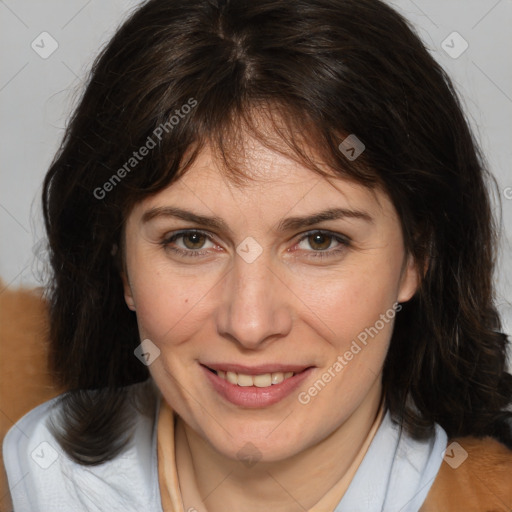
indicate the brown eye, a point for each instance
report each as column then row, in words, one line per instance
column 323, row 244
column 193, row 240
column 319, row 241
column 188, row 243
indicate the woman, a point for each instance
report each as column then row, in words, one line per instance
column 272, row 253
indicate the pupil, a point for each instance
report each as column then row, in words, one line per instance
column 194, row 240
column 320, row 240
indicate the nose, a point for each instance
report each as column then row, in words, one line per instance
column 255, row 307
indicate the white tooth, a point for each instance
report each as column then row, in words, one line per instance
column 245, row 380
column 277, row 377
column 232, row 377
column 262, row 381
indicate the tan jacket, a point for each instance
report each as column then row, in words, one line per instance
column 482, row 483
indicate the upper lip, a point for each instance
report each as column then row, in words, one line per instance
column 258, row 369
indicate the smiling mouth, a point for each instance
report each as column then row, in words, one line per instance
column 262, row 380
column 253, row 387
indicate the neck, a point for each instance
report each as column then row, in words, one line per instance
column 211, row 482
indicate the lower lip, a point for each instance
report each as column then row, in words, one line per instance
column 252, row 396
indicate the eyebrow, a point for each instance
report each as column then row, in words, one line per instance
column 292, row 223
column 288, row 224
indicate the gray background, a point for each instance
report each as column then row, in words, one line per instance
column 37, row 95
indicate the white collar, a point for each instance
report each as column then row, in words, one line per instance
column 396, row 473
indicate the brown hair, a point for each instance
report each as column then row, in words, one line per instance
column 319, row 70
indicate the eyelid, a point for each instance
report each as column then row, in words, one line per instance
column 332, row 234
column 302, row 236
column 183, row 232
column 344, row 243
column 343, row 240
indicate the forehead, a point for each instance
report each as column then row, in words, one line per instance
column 274, row 186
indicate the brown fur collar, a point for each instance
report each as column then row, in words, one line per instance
column 482, row 483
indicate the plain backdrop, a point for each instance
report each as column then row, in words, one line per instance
column 47, row 48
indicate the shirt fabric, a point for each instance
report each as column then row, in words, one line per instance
column 395, row 474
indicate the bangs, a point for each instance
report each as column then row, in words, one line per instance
column 276, row 126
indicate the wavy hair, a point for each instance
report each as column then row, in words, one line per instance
column 318, row 70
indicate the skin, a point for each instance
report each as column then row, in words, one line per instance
column 287, row 306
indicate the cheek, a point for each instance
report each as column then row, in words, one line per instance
column 357, row 314
column 168, row 305
column 347, row 303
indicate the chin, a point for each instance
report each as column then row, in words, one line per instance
column 264, row 444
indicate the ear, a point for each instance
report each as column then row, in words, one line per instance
column 128, row 294
column 409, row 280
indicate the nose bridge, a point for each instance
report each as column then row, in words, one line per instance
column 254, row 306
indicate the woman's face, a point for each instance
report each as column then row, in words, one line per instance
column 289, row 273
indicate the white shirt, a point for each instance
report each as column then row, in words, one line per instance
column 395, row 474
column 42, row 478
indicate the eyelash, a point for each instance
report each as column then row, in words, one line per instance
column 342, row 240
